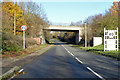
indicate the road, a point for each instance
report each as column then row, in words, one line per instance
column 67, row 61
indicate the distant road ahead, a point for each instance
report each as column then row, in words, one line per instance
column 66, row 61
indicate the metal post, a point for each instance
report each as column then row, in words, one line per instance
column 85, row 36
column 104, row 39
column 15, row 23
column 23, row 39
column 117, row 39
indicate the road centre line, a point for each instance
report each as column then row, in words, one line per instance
column 73, row 56
column 78, row 60
column 95, row 73
column 87, row 67
column 68, row 51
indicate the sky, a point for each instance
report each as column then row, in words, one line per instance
column 67, row 12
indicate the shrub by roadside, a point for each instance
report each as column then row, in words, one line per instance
column 12, row 46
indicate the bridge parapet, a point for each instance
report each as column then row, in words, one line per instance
column 63, row 28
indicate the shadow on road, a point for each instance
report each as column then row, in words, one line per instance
column 61, row 43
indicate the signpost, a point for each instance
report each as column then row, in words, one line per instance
column 110, row 40
column 23, row 28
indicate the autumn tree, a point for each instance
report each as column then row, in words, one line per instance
column 15, row 13
column 27, row 15
column 97, row 23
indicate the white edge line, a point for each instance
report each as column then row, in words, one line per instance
column 95, row 73
column 20, row 70
column 15, row 74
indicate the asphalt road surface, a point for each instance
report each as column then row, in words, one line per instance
column 67, row 61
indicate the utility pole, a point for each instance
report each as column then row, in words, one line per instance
column 85, row 36
column 15, row 23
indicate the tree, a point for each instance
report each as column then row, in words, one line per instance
column 115, row 7
column 78, row 23
column 14, row 12
column 35, row 18
column 97, row 23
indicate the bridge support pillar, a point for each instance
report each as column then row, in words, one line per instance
column 77, row 37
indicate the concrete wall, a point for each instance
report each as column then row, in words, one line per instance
column 38, row 40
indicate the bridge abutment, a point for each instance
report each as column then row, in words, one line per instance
column 77, row 37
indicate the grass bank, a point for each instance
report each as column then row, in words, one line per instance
column 22, row 52
column 100, row 50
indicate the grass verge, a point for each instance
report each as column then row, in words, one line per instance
column 22, row 52
column 100, row 50
column 10, row 73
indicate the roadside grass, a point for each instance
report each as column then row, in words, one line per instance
column 9, row 75
column 51, row 42
column 33, row 49
column 100, row 50
column 22, row 52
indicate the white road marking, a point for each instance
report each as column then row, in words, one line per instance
column 20, row 70
column 95, row 73
column 15, row 74
column 71, row 54
column 79, row 60
column 87, row 67
column 68, row 51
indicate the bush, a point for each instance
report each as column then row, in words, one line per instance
column 30, row 42
column 8, row 47
column 82, row 42
column 14, row 43
column 10, row 42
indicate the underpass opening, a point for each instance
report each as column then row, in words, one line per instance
column 66, row 30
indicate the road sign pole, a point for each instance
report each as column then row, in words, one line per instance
column 23, row 28
column 23, row 39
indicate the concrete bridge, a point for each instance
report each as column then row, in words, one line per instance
column 78, row 30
